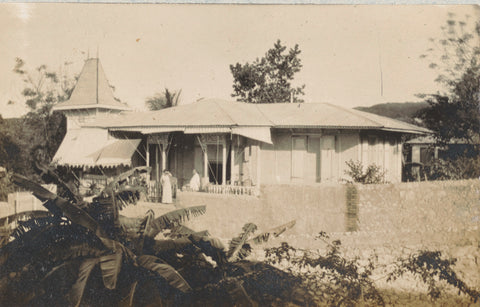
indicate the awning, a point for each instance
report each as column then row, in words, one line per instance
column 90, row 147
column 147, row 130
column 200, row 130
column 117, row 152
column 261, row 134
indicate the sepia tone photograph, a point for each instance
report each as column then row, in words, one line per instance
column 239, row 155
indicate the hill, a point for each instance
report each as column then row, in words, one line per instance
column 404, row 111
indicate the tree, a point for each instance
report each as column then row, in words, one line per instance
column 163, row 100
column 455, row 114
column 43, row 130
column 9, row 149
column 268, row 80
column 87, row 253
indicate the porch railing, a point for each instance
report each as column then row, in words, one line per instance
column 231, row 189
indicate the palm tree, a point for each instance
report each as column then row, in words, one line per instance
column 87, row 253
column 163, row 100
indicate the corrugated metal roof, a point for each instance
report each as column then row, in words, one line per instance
column 92, row 90
column 90, row 147
column 215, row 112
column 200, row 130
column 324, row 115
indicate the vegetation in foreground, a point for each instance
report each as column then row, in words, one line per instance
column 81, row 253
column 330, row 279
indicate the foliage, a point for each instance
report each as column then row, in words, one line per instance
column 163, row 100
column 87, row 253
column 433, row 270
column 455, row 114
column 268, row 80
column 372, row 175
column 331, row 279
column 453, row 169
column 9, row 149
column 42, row 130
column 404, row 111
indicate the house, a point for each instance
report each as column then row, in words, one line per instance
column 238, row 146
column 234, row 143
column 93, row 153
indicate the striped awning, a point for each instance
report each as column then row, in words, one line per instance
column 91, row 147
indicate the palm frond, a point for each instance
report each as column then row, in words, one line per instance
column 111, row 266
column 275, row 232
column 210, row 246
column 238, row 242
column 165, row 271
column 174, row 218
column 76, row 292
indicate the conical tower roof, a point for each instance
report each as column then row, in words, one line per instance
column 92, row 90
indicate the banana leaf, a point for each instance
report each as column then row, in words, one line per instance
column 165, row 271
column 183, row 231
column 76, row 292
column 173, row 219
column 24, row 215
column 237, row 243
column 110, row 266
column 58, row 205
column 275, row 232
column 210, row 246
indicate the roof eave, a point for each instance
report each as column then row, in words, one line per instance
column 91, row 106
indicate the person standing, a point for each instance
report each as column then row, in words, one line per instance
column 195, row 181
column 166, row 187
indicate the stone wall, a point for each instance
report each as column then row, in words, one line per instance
column 422, row 213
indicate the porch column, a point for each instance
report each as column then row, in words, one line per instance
column 147, row 159
column 164, row 158
column 157, row 165
column 224, row 163
column 205, row 162
column 232, row 164
column 259, row 167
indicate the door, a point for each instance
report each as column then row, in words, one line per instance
column 312, row 159
column 299, row 147
column 327, row 172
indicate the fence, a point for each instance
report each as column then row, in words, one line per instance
column 230, row 189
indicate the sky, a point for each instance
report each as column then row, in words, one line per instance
column 347, row 51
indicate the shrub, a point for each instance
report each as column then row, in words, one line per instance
column 433, row 270
column 372, row 175
column 449, row 169
column 331, row 279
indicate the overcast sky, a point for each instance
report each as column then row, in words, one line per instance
column 145, row 48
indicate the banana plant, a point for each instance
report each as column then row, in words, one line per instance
column 86, row 253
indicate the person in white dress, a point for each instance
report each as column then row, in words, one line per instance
column 166, row 187
column 194, row 184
